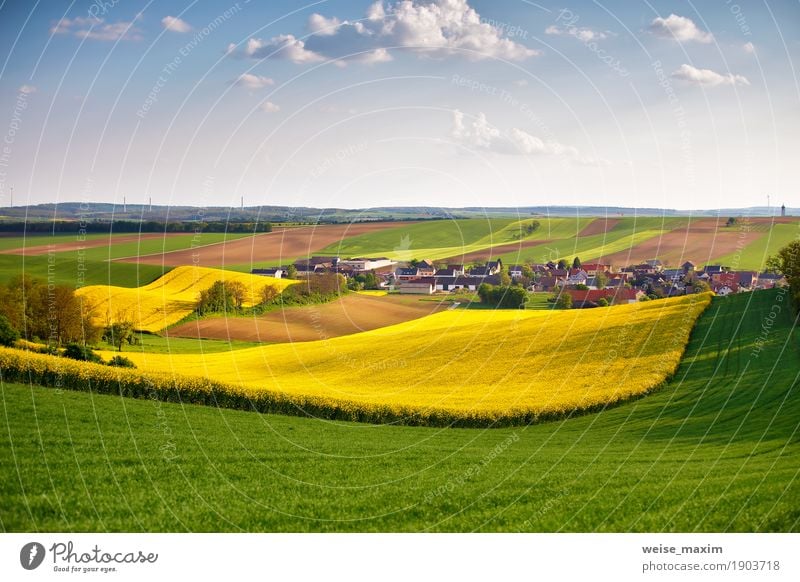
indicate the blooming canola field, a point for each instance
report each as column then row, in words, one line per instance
column 169, row 298
column 472, row 367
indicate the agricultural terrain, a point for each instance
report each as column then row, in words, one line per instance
column 170, row 298
column 489, row 366
column 353, row 313
column 716, row 449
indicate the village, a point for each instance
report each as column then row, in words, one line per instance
column 587, row 284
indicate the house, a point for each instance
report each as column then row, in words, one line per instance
column 673, row 275
column 655, row 264
column 276, row 272
column 306, row 268
column 515, row 271
column 421, row 286
column 546, row 284
column 426, row 268
column 447, row 273
column 689, row 267
column 464, row 282
column 407, row 273
column 770, row 280
column 593, row 268
column 367, row 263
column 494, row 267
column 479, row 272
column 711, row 269
column 577, row 277
column 724, row 289
column 747, row 279
column 457, row 269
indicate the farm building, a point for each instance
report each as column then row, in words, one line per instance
column 464, row 282
column 421, row 286
column 367, row 264
column 276, row 272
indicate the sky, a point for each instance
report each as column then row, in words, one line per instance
column 443, row 103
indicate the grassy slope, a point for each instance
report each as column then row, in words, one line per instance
column 716, row 450
column 754, row 255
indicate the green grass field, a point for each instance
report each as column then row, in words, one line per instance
column 754, row 255
column 91, row 265
column 717, row 449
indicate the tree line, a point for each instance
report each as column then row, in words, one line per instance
column 134, row 226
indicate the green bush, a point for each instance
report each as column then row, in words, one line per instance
column 79, row 352
column 121, row 362
column 8, row 335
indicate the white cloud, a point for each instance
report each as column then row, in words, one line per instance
column 269, row 107
column 27, row 89
column 97, row 29
column 521, row 82
column 318, row 24
column 582, row 34
column 284, row 46
column 479, row 133
column 175, row 24
column 707, row 77
column 749, row 47
column 679, row 28
column 253, row 82
column 438, row 28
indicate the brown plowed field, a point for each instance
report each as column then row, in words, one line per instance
column 701, row 242
column 351, row 314
column 599, row 226
column 489, row 254
column 88, row 244
column 280, row 245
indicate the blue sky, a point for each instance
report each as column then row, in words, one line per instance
column 442, row 103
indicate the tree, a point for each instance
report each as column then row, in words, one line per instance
column 505, row 278
column 700, row 286
column 602, row 302
column 118, row 333
column 564, row 301
column 268, row 294
column 291, row 272
column 600, row 280
column 8, row 334
column 787, row 262
column 222, row 297
column 581, row 287
column 562, row 264
column 121, row 362
column 731, row 221
column 576, row 263
column 527, row 271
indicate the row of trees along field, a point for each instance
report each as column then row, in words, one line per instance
column 132, row 226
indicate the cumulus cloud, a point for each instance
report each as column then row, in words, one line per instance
column 436, row 29
column 679, row 28
column 480, row 134
column 707, row 77
column 175, row 24
column 582, row 34
column 269, row 107
column 253, row 82
column 97, row 29
column 749, row 48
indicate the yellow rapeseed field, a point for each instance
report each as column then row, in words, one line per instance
column 469, row 367
column 170, row 298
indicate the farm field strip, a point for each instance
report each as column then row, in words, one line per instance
column 170, row 298
column 477, row 357
column 755, row 254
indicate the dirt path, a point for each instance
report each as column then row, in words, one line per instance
column 279, row 246
column 351, row 314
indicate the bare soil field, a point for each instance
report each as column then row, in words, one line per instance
column 599, row 226
column 88, row 244
column 351, row 314
column 701, row 242
column 491, row 253
column 280, row 245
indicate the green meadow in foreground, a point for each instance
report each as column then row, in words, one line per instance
column 717, row 449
